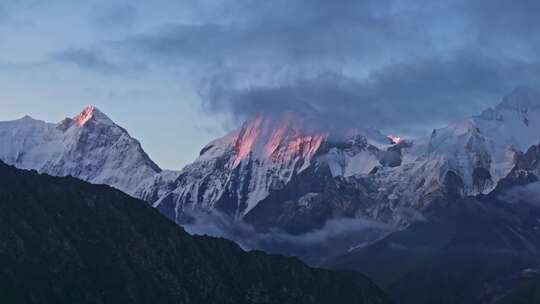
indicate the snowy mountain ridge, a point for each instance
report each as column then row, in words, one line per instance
column 235, row 172
column 468, row 157
column 273, row 161
column 473, row 154
column 89, row 146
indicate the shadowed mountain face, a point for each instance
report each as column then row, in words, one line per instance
column 63, row 240
column 481, row 249
column 526, row 290
column 467, row 255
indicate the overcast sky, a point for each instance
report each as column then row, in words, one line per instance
column 177, row 74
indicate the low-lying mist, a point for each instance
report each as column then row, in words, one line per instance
column 529, row 194
column 338, row 236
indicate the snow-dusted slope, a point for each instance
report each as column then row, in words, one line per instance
column 468, row 157
column 233, row 173
column 89, row 146
column 236, row 173
column 492, row 139
column 283, row 169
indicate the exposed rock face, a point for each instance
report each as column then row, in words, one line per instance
column 63, row 240
column 526, row 170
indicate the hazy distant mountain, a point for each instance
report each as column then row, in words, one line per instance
column 63, row 240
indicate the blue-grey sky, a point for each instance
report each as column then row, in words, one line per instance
column 177, row 74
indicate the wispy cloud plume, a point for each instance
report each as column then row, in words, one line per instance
column 529, row 194
column 335, row 237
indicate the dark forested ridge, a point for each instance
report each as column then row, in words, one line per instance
column 63, row 240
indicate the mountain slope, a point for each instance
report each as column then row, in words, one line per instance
column 234, row 174
column 475, row 249
column 63, row 240
column 525, row 290
column 256, row 173
column 286, row 172
column 267, row 172
column 453, row 258
column 89, row 146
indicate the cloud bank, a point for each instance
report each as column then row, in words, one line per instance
column 529, row 194
column 388, row 64
column 337, row 236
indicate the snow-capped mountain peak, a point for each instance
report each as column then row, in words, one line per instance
column 277, row 140
column 515, row 121
column 91, row 113
column 234, row 173
column 238, row 170
column 522, row 98
column 477, row 151
column 89, row 146
column 267, row 139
